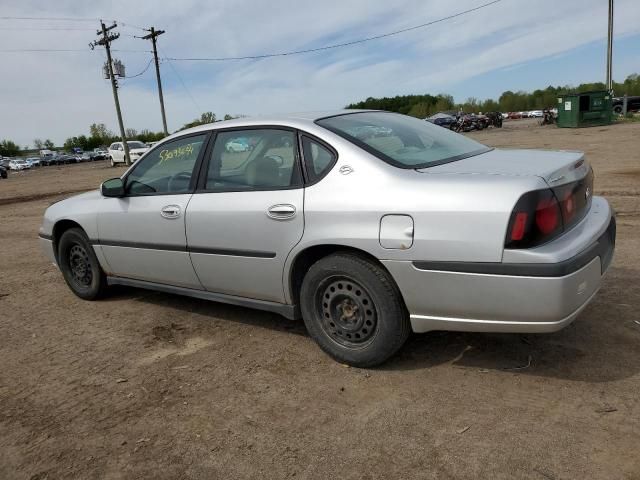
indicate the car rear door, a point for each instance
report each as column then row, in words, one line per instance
column 142, row 234
column 247, row 214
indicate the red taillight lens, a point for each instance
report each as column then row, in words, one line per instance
column 519, row 226
column 536, row 219
column 547, row 215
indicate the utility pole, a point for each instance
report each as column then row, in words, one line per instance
column 153, row 35
column 105, row 41
column 610, row 50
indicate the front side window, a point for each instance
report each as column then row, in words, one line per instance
column 402, row 141
column 259, row 159
column 167, row 169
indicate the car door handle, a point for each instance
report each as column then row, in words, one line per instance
column 281, row 211
column 170, row 211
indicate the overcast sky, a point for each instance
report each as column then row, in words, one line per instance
column 514, row 44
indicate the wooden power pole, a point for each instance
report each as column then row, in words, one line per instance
column 105, row 41
column 153, row 35
column 610, row 50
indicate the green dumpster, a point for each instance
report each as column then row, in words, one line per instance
column 585, row 109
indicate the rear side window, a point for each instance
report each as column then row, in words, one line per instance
column 318, row 159
column 253, row 159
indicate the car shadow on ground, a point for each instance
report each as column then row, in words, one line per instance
column 600, row 346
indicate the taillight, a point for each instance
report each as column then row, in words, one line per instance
column 542, row 215
column 536, row 219
column 548, row 215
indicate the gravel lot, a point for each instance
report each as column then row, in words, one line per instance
column 149, row 385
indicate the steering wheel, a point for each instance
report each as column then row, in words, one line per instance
column 177, row 177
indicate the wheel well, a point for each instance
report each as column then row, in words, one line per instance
column 58, row 229
column 311, row 255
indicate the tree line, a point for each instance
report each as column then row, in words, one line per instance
column 422, row 106
column 101, row 136
column 419, row 106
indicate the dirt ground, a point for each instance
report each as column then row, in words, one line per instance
column 149, row 385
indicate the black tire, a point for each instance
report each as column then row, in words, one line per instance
column 346, row 295
column 80, row 266
column 618, row 109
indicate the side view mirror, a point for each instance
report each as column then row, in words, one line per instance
column 113, row 187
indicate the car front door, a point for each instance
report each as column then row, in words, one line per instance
column 247, row 214
column 142, row 234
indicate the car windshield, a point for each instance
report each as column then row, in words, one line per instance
column 402, row 141
column 136, row 145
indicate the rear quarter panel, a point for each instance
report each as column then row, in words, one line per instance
column 457, row 217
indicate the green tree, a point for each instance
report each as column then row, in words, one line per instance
column 9, row 148
column 420, row 110
column 207, row 117
column 48, row 144
column 37, row 144
column 99, row 130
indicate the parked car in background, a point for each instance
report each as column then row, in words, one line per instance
column 100, row 154
column 365, row 239
column 441, row 119
column 633, row 104
column 45, row 159
column 116, row 151
column 237, row 145
column 33, row 162
column 18, row 164
column 535, row 114
column 3, row 172
column 66, row 158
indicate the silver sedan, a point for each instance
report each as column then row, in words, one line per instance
column 366, row 224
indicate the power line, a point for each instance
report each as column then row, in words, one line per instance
column 183, row 84
column 65, row 29
column 47, row 50
column 66, row 19
column 142, row 72
column 337, row 45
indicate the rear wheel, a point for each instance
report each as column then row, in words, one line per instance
column 79, row 265
column 353, row 310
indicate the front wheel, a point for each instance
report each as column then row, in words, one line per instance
column 79, row 265
column 112, row 162
column 353, row 310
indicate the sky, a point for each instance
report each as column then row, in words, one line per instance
column 510, row 45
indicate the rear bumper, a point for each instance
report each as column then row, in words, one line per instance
column 520, row 298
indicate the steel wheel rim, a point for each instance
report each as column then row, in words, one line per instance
column 80, row 266
column 348, row 315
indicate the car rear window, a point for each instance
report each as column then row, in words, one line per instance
column 402, row 141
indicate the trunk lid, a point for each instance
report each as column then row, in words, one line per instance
column 555, row 167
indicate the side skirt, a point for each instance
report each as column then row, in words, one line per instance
column 291, row 312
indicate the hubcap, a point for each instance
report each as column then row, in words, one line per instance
column 348, row 313
column 80, row 266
